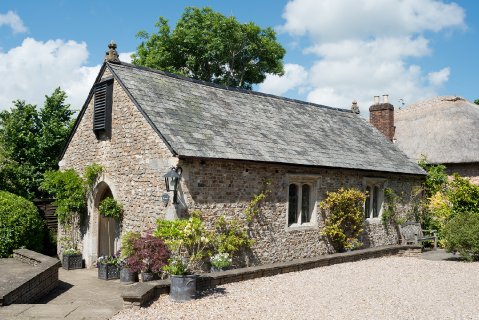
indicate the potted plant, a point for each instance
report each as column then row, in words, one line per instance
column 190, row 242
column 127, row 275
column 72, row 259
column 220, row 262
column 182, row 282
column 108, row 267
column 149, row 255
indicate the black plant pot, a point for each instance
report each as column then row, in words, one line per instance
column 108, row 271
column 73, row 261
column 148, row 276
column 183, row 288
column 127, row 276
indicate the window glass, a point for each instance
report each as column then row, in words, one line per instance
column 305, row 204
column 375, row 201
column 293, row 204
column 367, row 206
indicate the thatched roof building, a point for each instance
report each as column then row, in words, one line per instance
column 445, row 130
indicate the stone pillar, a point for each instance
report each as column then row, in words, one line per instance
column 381, row 115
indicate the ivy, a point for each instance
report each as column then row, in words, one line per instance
column 91, row 173
column 254, row 207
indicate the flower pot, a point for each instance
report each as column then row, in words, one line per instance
column 148, row 276
column 73, row 261
column 108, row 271
column 127, row 276
column 215, row 269
column 183, row 288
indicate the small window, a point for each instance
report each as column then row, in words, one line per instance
column 103, row 93
column 301, row 200
column 374, row 189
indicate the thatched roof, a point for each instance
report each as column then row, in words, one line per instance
column 444, row 129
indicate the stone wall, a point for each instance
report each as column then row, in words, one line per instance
column 466, row 170
column 220, row 187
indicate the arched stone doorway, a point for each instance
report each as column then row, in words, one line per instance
column 108, row 228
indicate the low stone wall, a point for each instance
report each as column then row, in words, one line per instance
column 140, row 294
column 42, row 279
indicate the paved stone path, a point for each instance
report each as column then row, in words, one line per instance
column 80, row 295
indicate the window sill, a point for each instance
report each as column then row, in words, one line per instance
column 301, row 227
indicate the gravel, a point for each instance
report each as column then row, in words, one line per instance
column 384, row 288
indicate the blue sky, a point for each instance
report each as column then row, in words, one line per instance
column 337, row 51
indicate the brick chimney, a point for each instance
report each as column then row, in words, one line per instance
column 381, row 115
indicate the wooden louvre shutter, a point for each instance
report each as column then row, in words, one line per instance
column 102, row 108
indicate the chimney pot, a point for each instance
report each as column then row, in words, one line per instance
column 376, row 99
column 354, row 107
column 385, row 98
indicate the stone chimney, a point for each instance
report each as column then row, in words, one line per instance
column 112, row 55
column 354, row 107
column 381, row 115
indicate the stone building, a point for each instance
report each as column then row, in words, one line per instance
column 443, row 129
column 138, row 123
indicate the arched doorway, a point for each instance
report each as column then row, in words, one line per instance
column 107, row 227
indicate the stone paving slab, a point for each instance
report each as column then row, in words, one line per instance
column 80, row 295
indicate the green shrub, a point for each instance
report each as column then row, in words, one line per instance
column 344, row 216
column 127, row 242
column 463, row 195
column 462, row 235
column 230, row 236
column 68, row 188
column 20, row 224
column 110, row 208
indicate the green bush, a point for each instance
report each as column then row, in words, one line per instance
column 462, row 235
column 463, row 195
column 344, row 217
column 20, row 224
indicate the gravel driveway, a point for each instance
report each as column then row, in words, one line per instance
column 384, row 288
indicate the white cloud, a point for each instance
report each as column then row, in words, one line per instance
column 35, row 68
column 361, row 48
column 294, row 76
column 125, row 56
column 439, row 78
column 13, row 21
column 333, row 20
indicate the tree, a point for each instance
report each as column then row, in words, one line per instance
column 31, row 142
column 476, row 101
column 208, row 46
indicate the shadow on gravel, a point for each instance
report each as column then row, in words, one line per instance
column 210, row 292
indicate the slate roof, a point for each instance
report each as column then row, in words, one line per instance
column 444, row 129
column 198, row 119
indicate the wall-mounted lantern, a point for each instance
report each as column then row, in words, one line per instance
column 172, row 178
